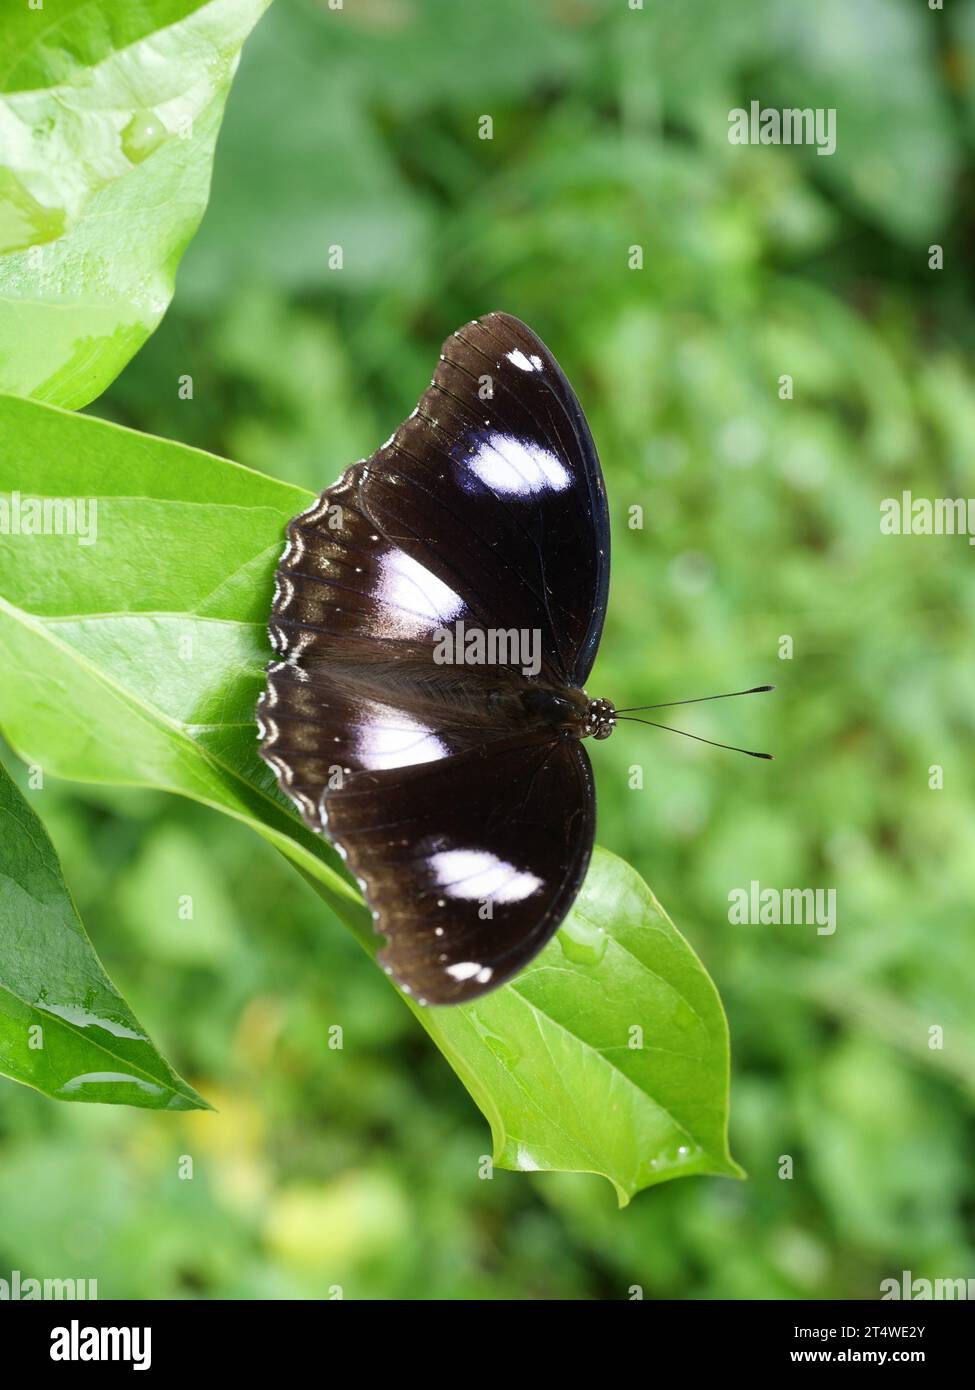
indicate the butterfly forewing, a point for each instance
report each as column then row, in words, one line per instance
column 494, row 485
column 468, row 828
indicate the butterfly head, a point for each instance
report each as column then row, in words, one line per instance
column 600, row 719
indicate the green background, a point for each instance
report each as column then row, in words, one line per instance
column 359, row 127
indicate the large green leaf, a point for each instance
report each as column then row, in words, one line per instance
column 64, row 1027
column 608, row 1054
column 109, row 116
column 137, row 658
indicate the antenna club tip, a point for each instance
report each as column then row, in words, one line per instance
column 768, row 756
column 759, row 689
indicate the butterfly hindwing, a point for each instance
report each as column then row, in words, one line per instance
column 472, row 861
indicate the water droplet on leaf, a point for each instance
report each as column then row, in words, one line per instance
column 581, row 941
column 143, row 135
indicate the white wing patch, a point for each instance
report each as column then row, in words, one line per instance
column 470, row 970
column 403, row 742
column 417, row 593
column 526, row 364
column 517, row 467
column 477, row 874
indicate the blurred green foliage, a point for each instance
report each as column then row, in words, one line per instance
column 359, row 127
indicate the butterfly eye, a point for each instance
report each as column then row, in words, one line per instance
column 601, row 718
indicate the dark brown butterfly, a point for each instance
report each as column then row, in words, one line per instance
column 436, row 614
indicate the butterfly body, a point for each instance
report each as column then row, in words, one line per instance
column 435, row 616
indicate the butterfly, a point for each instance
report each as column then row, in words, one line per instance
column 436, row 614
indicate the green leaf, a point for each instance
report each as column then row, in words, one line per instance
column 64, row 1027
column 141, row 644
column 109, row 116
column 135, row 654
column 609, row 1052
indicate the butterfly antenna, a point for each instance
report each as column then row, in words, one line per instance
column 702, row 699
column 733, row 748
